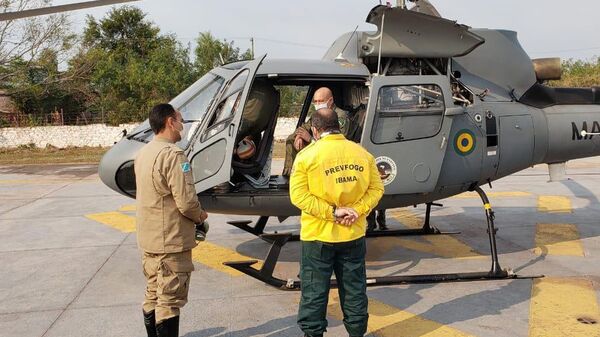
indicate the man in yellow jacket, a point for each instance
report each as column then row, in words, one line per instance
column 335, row 183
column 167, row 209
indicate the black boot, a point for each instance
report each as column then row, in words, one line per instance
column 381, row 220
column 168, row 327
column 150, row 323
column 371, row 222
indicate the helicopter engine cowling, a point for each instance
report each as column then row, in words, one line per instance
column 548, row 69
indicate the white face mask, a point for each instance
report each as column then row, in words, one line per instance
column 324, row 105
column 180, row 131
column 320, row 106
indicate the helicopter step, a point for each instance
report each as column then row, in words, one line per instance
column 427, row 229
column 278, row 240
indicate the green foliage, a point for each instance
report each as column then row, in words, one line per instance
column 39, row 89
column 134, row 67
column 291, row 100
column 577, row 73
column 211, row 52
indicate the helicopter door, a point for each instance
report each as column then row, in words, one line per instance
column 407, row 130
column 212, row 151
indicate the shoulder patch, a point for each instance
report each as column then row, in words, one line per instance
column 185, row 167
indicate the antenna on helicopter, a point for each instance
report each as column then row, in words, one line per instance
column 340, row 57
column 585, row 133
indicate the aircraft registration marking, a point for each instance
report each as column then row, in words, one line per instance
column 388, row 321
column 558, row 240
column 554, row 204
column 559, row 307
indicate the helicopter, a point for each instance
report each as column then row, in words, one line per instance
column 448, row 108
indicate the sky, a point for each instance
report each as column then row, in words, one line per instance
column 305, row 29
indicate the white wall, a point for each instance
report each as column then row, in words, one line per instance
column 92, row 135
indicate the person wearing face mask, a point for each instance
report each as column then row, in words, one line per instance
column 322, row 99
column 167, row 211
column 335, row 183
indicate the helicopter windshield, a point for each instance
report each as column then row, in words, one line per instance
column 193, row 104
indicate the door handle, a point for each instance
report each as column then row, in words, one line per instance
column 231, row 126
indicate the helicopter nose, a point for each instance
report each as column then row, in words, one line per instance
column 116, row 167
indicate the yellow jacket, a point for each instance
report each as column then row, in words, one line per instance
column 334, row 171
column 167, row 204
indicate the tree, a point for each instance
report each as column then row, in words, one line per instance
column 22, row 41
column 579, row 74
column 211, row 52
column 133, row 66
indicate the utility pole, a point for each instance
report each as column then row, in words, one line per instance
column 252, row 47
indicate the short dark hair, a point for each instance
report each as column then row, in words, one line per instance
column 158, row 116
column 325, row 120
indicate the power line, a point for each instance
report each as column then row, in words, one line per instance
column 298, row 44
column 565, row 51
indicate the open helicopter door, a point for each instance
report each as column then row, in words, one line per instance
column 212, row 150
column 407, row 130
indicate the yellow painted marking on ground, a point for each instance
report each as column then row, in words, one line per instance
column 124, row 223
column 491, row 195
column 554, row 204
column 128, row 208
column 558, row 239
column 557, row 303
column 388, row 321
column 213, row 256
column 207, row 253
column 441, row 245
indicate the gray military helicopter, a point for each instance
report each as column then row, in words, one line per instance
column 448, row 109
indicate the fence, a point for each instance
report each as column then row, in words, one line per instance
column 92, row 135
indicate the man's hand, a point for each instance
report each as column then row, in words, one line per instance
column 203, row 215
column 302, row 133
column 345, row 216
column 298, row 143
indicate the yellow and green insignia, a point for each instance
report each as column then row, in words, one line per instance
column 464, row 142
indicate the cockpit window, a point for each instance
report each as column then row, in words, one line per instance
column 192, row 110
column 228, row 105
column 196, row 107
column 408, row 112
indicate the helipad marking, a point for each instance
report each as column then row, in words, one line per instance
column 558, row 239
column 554, row 204
column 213, row 256
column 388, row 321
column 491, row 195
column 207, row 253
column 563, row 307
column 441, row 245
column 128, row 208
column 123, row 222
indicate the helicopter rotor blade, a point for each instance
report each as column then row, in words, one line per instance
column 425, row 7
column 58, row 9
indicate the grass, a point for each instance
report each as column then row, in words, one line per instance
column 28, row 155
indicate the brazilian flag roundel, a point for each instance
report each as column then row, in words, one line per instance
column 464, row 142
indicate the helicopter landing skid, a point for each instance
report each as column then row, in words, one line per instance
column 265, row 273
column 259, row 227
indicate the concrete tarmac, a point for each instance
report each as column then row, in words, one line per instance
column 70, row 264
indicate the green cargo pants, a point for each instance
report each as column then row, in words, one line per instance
column 347, row 260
